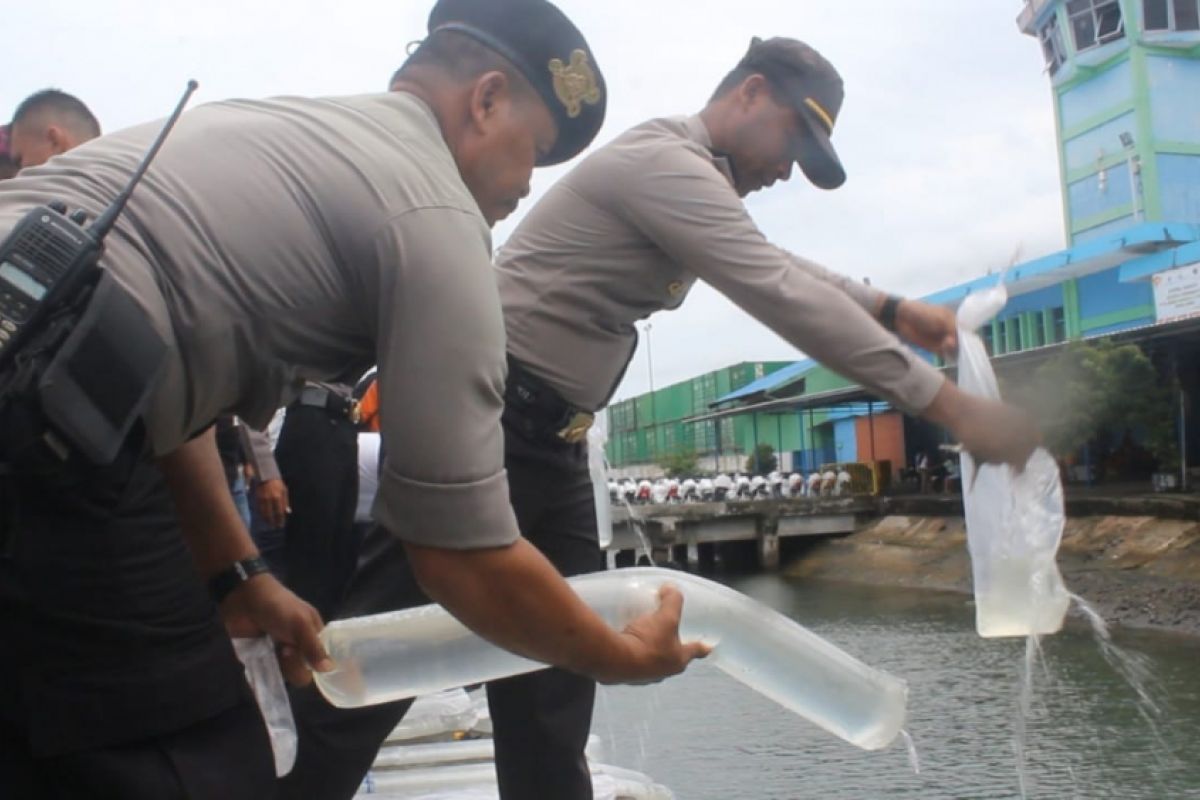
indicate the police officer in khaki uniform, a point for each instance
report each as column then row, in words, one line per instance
column 274, row 242
column 629, row 231
column 625, row 234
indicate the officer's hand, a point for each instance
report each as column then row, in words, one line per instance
column 654, row 651
column 996, row 432
column 925, row 325
column 262, row 605
column 272, row 499
column 991, row 431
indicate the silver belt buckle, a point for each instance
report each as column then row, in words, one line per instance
column 577, row 428
column 315, row 396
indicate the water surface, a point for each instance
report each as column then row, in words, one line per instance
column 707, row 736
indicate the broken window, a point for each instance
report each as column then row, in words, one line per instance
column 1095, row 22
column 1052, row 45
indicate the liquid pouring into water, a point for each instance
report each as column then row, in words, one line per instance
column 1131, row 667
column 913, row 759
column 1033, row 654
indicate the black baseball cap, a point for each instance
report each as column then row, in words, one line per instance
column 547, row 48
column 809, row 83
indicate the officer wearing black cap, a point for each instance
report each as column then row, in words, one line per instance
column 539, row 40
column 634, row 225
column 274, row 242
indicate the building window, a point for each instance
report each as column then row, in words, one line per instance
column 1095, row 22
column 1052, row 45
column 1060, row 325
column 1171, row 15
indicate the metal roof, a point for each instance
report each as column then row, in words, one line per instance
column 776, row 381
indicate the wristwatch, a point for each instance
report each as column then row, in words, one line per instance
column 887, row 311
column 233, row 576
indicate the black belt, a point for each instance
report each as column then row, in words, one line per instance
column 539, row 412
column 335, row 405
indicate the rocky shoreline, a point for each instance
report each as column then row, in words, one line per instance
column 1136, row 571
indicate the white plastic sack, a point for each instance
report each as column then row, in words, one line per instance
column 596, row 439
column 266, row 681
column 436, row 714
column 1014, row 521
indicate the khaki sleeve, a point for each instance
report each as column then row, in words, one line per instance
column 866, row 296
column 687, row 208
column 440, row 347
column 260, row 454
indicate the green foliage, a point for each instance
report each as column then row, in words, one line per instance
column 1092, row 387
column 679, row 465
column 767, row 462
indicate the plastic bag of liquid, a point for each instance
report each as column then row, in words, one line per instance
column 422, row 650
column 596, row 439
column 1014, row 520
column 266, row 681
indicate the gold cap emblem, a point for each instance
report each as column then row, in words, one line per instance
column 675, row 288
column 575, row 83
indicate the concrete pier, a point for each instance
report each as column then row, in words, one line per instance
column 689, row 532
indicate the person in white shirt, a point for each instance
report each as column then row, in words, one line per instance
column 842, row 485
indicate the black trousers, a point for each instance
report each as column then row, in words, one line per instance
column 117, row 679
column 317, row 456
column 541, row 720
column 226, row 757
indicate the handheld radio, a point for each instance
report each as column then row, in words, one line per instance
column 49, row 255
column 78, row 357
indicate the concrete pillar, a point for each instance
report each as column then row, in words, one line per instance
column 768, row 544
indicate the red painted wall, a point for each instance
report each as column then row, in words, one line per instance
column 888, row 436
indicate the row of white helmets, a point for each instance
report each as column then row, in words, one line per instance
column 724, row 487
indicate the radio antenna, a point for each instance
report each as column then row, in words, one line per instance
column 106, row 220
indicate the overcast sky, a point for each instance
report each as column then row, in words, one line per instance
column 947, row 133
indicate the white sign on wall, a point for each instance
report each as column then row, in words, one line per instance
column 1177, row 293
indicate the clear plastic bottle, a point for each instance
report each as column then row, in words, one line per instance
column 417, row 651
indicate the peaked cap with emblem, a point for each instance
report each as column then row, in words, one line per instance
column 549, row 51
column 811, row 85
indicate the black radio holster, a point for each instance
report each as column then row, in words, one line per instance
column 71, row 397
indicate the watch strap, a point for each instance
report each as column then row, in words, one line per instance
column 887, row 312
column 233, row 576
